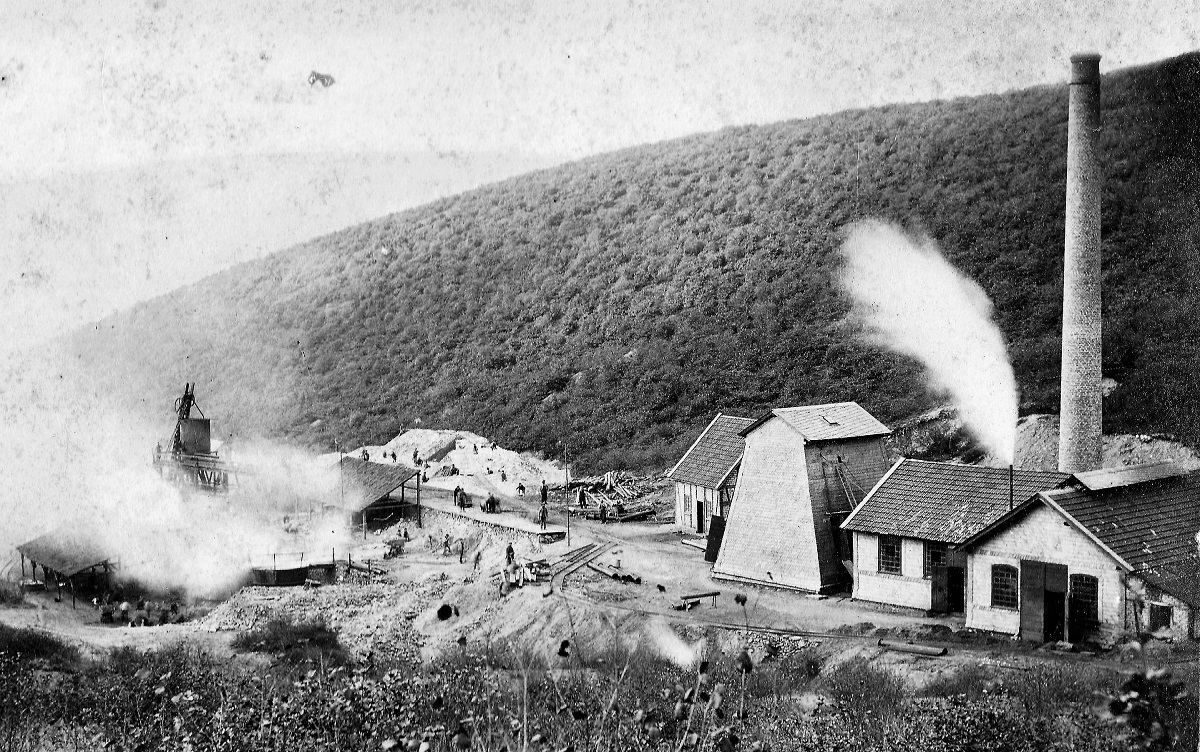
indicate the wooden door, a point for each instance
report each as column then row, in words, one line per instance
column 956, row 590
column 939, row 581
column 700, row 518
column 1033, row 580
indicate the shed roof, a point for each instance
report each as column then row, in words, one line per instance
column 713, row 455
column 837, row 420
column 364, row 483
column 1112, row 477
column 1151, row 526
column 942, row 501
column 67, row 550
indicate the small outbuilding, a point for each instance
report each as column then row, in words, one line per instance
column 374, row 492
column 803, row 470
column 70, row 558
column 906, row 529
column 706, row 474
column 1111, row 551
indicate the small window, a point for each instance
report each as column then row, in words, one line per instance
column 1004, row 586
column 1084, row 600
column 889, row 554
column 935, row 556
column 687, row 504
column 1160, row 617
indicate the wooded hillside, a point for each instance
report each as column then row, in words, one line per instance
column 616, row 303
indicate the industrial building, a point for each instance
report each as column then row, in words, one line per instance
column 907, row 528
column 706, row 475
column 1110, row 551
column 803, row 470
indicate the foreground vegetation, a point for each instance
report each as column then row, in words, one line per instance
column 487, row 698
column 608, row 308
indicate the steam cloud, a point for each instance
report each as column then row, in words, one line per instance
column 912, row 301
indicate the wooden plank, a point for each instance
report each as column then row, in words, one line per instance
column 1032, row 604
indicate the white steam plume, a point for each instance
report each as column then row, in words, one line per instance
column 913, row 302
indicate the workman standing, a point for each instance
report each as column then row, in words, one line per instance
column 543, row 514
column 545, row 491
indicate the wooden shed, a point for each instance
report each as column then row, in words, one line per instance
column 706, row 474
column 375, row 492
column 802, row 472
column 1113, row 550
column 906, row 529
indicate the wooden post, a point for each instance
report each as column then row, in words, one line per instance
column 419, row 498
column 22, row 566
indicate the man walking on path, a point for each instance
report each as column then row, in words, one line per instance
column 509, row 555
column 542, row 514
column 478, row 558
column 545, row 491
column 446, row 551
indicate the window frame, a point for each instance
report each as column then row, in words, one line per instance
column 926, row 564
column 887, row 540
column 1016, row 587
column 1073, row 596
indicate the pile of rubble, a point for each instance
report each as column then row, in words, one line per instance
column 373, row 620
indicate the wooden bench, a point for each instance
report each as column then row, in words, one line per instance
column 688, row 601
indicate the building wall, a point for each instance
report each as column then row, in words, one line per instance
column 909, row 588
column 864, row 462
column 1183, row 621
column 1041, row 535
column 770, row 525
column 685, row 514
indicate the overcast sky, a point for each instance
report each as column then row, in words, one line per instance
column 148, row 146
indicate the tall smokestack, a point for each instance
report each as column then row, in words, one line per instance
column 1080, row 442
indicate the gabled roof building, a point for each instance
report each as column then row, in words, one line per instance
column 803, row 470
column 906, row 529
column 706, row 474
column 1112, row 550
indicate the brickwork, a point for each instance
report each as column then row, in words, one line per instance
column 1041, row 535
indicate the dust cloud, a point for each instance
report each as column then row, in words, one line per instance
column 73, row 462
column 912, row 301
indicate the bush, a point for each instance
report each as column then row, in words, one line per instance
column 11, row 594
column 298, row 642
column 28, row 643
column 859, row 686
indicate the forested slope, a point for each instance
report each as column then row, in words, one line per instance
column 609, row 307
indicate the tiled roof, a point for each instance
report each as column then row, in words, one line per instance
column 363, row 483
column 715, row 453
column 839, row 420
column 944, row 502
column 67, row 550
column 1151, row 525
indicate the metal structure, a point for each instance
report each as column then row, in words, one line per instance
column 189, row 461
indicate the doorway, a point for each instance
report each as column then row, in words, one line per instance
column 956, row 590
column 700, row 517
column 1043, row 601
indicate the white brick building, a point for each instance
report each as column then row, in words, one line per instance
column 906, row 529
column 802, row 471
column 1112, row 551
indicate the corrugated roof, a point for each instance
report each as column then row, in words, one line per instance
column 363, row 483
column 945, row 502
column 837, row 420
column 1112, row 477
column 1151, row 525
column 68, row 550
column 714, row 454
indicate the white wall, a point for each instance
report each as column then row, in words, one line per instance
column 687, row 519
column 1041, row 535
column 908, row 588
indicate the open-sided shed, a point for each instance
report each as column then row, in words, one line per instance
column 377, row 492
column 69, row 556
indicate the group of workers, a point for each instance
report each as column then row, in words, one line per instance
column 140, row 614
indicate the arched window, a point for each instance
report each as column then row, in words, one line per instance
column 1004, row 586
